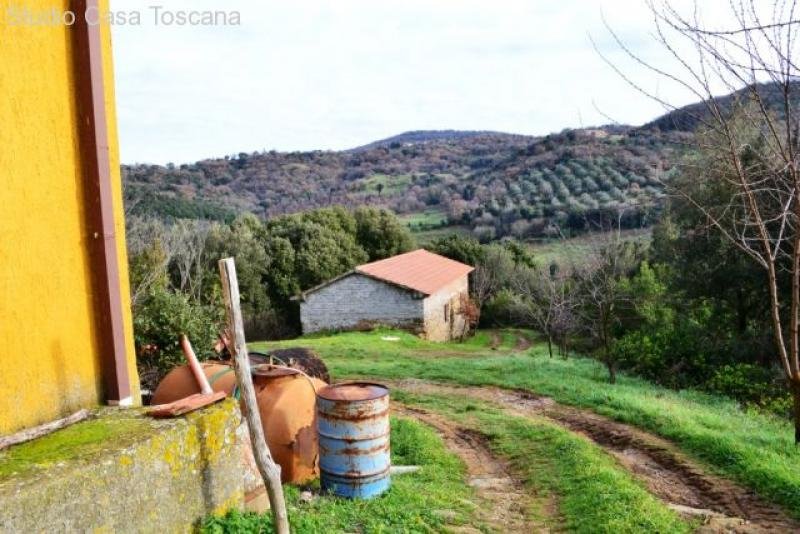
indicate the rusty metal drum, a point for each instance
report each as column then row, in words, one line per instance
column 353, row 427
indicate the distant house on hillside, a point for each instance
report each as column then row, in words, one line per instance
column 419, row 291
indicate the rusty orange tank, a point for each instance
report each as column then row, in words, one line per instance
column 287, row 404
column 180, row 382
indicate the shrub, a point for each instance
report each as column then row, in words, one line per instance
column 159, row 320
column 752, row 384
column 499, row 310
column 676, row 355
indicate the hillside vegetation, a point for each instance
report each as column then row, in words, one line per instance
column 495, row 184
column 492, row 184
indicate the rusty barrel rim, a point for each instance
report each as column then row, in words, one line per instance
column 355, row 391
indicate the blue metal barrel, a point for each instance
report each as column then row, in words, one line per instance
column 353, row 427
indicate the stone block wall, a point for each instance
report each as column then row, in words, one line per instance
column 357, row 300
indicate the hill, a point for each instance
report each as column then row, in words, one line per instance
column 492, row 183
column 422, row 136
column 489, row 183
column 690, row 117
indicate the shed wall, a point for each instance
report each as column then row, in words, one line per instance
column 437, row 327
column 357, row 299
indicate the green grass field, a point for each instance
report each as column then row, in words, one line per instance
column 404, row 509
column 428, row 217
column 390, row 184
column 755, row 449
column 559, row 250
column 574, row 485
column 424, row 237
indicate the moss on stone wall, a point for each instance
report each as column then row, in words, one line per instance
column 81, row 440
column 124, row 472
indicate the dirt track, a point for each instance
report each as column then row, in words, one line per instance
column 504, row 500
column 665, row 471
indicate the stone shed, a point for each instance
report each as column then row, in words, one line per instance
column 418, row 291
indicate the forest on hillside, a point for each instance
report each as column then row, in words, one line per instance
column 495, row 184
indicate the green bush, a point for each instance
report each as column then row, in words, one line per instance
column 752, row 384
column 499, row 310
column 159, row 320
column 677, row 356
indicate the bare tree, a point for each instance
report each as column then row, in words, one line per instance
column 491, row 274
column 749, row 143
column 546, row 302
column 608, row 261
column 151, row 247
column 190, row 259
column 469, row 315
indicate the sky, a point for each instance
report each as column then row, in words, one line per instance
column 335, row 74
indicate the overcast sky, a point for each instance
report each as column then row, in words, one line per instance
column 316, row 74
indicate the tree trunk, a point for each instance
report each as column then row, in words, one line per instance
column 741, row 312
column 612, row 371
column 795, row 386
column 550, row 345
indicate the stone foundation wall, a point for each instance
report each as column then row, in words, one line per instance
column 124, row 472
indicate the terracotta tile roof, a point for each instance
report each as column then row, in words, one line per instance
column 419, row 270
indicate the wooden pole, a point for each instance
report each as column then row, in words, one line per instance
column 270, row 471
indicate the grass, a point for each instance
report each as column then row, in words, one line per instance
column 391, row 183
column 548, row 250
column 426, row 236
column 404, row 508
column 557, row 465
column 754, row 449
column 424, row 219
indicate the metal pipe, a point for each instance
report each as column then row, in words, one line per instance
column 194, row 365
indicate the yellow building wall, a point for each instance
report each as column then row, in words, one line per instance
column 48, row 341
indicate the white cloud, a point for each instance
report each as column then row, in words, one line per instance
column 332, row 74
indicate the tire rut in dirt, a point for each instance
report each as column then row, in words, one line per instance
column 675, row 479
column 666, row 472
column 504, row 508
column 523, row 343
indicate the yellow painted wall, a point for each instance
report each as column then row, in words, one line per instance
column 48, row 349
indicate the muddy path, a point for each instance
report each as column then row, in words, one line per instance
column 523, row 342
column 504, row 500
column 671, row 476
column 495, row 341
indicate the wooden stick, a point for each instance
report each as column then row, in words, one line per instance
column 270, row 471
column 42, row 430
